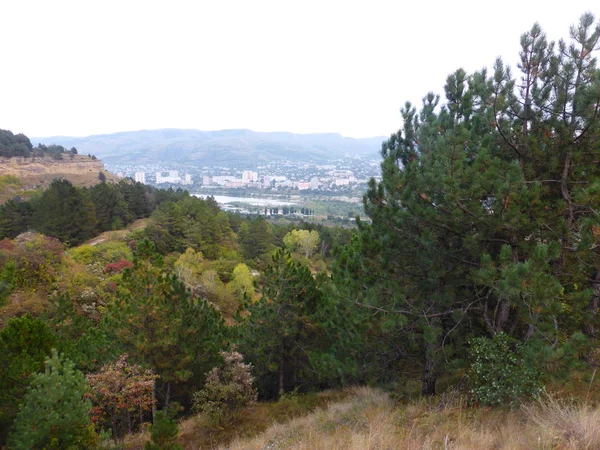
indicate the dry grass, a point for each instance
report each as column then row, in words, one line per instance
column 199, row 433
column 119, row 235
column 571, row 424
column 361, row 422
column 368, row 420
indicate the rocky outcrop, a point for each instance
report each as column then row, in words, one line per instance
column 27, row 167
column 35, row 173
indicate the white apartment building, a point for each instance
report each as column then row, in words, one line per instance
column 249, row 176
column 140, row 177
column 171, row 177
column 223, row 180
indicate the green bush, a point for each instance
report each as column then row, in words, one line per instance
column 501, row 373
column 102, row 253
column 224, row 268
column 227, row 388
column 85, row 254
column 163, row 433
column 7, row 284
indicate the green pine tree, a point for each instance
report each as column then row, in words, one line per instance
column 25, row 343
column 484, row 220
column 162, row 324
column 109, row 205
column 15, row 217
column 163, row 433
column 54, row 413
column 293, row 334
column 65, row 212
column 255, row 237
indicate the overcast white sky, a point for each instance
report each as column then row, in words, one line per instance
column 89, row 67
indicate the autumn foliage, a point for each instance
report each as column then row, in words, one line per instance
column 121, row 396
column 118, row 267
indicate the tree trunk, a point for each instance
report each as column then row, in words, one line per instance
column 113, row 425
column 503, row 314
column 429, row 376
column 497, row 322
column 281, row 371
column 589, row 327
column 154, row 401
column 168, row 397
column 530, row 332
column 566, row 195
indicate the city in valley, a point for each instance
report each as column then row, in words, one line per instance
column 341, row 180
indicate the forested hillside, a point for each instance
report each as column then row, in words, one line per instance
column 476, row 280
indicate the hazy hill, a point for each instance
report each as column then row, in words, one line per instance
column 215, row 147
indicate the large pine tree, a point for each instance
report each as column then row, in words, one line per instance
column 295, row 335
column 486, row 216
column 162, row 324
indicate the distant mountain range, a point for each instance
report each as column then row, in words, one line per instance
column 224, row 147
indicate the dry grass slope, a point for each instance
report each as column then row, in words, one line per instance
column 199, row 432
column 360, row 422
column 22, row 176
column 368, row 420
column 119, row 235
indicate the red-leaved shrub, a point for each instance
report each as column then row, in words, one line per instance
column 118, row 267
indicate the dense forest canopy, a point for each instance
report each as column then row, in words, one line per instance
column 479, row 267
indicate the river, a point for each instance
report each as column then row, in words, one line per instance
column 254, row 201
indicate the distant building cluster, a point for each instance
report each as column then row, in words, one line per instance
column 343, row 176
column 169, row 176
column 252, row 179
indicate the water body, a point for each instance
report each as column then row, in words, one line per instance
column 254, row 201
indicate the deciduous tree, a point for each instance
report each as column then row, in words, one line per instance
column 303, row 240
column 121, row 395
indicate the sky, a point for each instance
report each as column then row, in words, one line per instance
column 77, row 68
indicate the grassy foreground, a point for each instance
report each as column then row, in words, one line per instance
column 367, row 419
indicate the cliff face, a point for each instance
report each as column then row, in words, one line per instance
column 34, row 173
column 28, row 167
